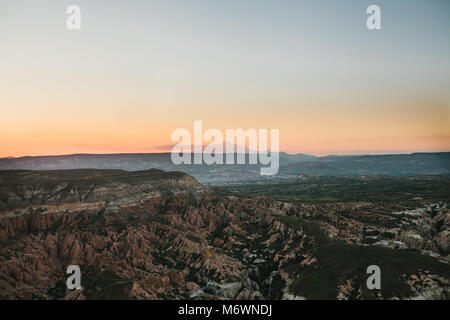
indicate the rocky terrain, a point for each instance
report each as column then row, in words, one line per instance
column 24, row 191
column 162, row 235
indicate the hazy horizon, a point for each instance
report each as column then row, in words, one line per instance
column 281, row 151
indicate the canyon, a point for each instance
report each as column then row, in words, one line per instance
column 162, row 235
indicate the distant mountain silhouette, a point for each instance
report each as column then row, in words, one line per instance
column 291, row 165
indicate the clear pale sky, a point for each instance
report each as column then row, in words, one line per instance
column 137, row 70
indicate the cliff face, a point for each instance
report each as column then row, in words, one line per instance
column 77, row 190
column 176, row 246
column 138, row 251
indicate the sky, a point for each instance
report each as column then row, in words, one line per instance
column 138, row 70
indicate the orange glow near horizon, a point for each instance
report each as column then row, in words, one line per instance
column 315, row 126
column 372, row 130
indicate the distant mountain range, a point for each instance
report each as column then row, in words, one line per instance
column 291, row 165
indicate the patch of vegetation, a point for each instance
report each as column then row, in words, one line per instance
column 309, row 227
column 337, row 262
column 411, row 190
column 107, row 285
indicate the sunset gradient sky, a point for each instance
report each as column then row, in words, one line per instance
column 137, row 70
